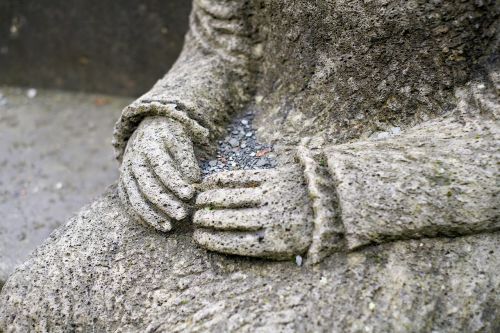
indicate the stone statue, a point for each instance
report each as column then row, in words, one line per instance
column 384, row 116
column 347, row 192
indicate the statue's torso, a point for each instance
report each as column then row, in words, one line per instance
column 346, row 69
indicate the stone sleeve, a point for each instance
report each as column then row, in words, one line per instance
column 328, row 231
column 439, row 179
column 210, row 79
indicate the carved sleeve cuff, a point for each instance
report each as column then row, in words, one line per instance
column 192, row 92
column 135, row 112
column 328, row 230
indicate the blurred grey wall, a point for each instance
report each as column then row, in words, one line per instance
column 107, row 46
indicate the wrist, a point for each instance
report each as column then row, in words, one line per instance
column 328, row 230
column 133, row 115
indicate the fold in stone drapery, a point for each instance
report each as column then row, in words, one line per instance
column 207, row 83
column 328, row 231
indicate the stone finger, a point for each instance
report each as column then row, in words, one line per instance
column 230, row 198
column 155, row 192
column 231, row 242
column 122, row 193
column 140, row 207
column 248, row 219
column 165, row 168
column 182, row 151
column 235, row 179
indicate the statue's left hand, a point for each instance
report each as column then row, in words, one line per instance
column 258, row 213
column 157, row 174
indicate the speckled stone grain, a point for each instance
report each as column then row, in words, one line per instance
column 120, row 276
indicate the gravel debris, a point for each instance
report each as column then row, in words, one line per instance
column 396, row 130
column 239, row 150
column 233, row 141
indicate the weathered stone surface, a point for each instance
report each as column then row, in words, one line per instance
column 344, row 72
column 345, row 69
column 105, row 272
column 159, row 154
column 54, row 157
column 439, row 178
column 258, row 213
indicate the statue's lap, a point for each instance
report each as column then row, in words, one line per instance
column 104, row 271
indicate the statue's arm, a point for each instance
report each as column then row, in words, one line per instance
column 210, row 79
column 440, row 179
column 154, row 136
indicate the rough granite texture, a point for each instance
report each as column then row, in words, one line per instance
column 345, row 79
column 105, row 272
column 257, row 213
column 444, row 185
column 210, row 80
column 344, row 69
column 159, row 154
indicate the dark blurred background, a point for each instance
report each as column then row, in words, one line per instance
column 106, row 46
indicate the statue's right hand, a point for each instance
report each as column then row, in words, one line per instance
column 257, row 213
column 157, row 173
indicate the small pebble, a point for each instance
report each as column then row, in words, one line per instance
column 298, row 260
column 234, row 142
column 31, row 93
column 396, row 130
column 383, row 135
column 262, row 163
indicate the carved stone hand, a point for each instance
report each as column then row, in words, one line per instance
column 258, row 213
column 158, row 169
